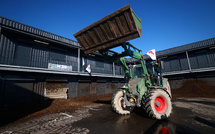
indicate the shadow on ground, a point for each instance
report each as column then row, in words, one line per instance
column 12, row 113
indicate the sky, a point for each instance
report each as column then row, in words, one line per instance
column 165, row 23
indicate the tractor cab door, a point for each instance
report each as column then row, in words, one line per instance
column 154, row 72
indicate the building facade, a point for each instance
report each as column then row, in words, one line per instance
column 36, row 64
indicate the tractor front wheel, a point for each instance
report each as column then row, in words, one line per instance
column 157, row 104
column 118, row 104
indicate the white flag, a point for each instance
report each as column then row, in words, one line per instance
column 88, row 69
column 152, row 54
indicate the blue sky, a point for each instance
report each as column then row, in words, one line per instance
column 165, row 23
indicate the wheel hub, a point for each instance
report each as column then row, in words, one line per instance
column 160, row 104
column 157, row 103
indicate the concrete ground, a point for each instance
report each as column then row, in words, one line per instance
column 193, row 115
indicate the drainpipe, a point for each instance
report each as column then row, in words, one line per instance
column 79, row 52
column 188, row 61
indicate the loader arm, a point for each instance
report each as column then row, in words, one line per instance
column 119, row 58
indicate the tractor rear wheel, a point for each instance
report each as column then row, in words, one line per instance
column 118, row 104
column 157, row 104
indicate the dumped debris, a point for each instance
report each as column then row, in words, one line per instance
column 194, row 88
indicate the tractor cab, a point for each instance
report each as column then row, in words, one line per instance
column 154, row 73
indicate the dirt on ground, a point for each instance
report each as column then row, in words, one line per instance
column 194, row 88
column 25, row 111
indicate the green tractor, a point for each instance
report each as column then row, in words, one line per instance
column 145, row 87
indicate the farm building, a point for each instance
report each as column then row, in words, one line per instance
column 36, row 64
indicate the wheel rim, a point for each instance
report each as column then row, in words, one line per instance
column 160, row 104
column 121, row 99
column 164, row 130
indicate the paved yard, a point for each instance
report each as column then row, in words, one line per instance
column 191, row 115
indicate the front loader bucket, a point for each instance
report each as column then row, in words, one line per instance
column 110, row 31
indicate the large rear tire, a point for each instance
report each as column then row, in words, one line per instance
column 118, row 105
column 157, row 104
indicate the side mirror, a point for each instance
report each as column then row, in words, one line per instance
column 162, row 65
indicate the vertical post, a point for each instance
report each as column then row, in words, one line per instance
column 44, row 90
column 188, row 60
column 114, row 73
column 79, row 59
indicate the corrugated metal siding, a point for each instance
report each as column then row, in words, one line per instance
column 39, row 56
column 98, row 65
column 29, row 29
column 22, row 55
column 181, row 49
column 7, row 50
column 187, row 47
column 171, row 51
column 202, row 59
column 25, row 52
column 118, row 70
column 73, row 61
column 108, row 68
column 174, row 64
column 193, row 61
column 199, row 59
column 19, row 51
column 166, row 66
column 183, row 62
column 211, row 57
column 38, row 88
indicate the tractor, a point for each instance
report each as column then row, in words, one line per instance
column 144, row 85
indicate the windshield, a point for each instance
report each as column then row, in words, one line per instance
column 137, row 72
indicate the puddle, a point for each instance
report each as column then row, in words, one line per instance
column 106, row 121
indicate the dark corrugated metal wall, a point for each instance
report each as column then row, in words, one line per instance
column 20, row 51
column 198, row 59
column 19, row 26
column 39, row 56
column 18, row 87
column 84, row 86
column 34, row 49
column 188, row 47
column 7, row 50
column 211, row 57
